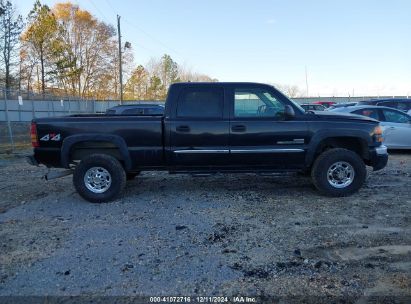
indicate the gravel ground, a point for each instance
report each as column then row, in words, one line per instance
column 221, row 235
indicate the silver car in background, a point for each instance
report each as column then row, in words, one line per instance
column 396, row 124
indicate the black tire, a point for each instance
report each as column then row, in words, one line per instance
column 305, row 173
column 323, row 163
column 132, row 175
column 117, row 177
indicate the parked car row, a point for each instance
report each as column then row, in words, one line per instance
column 393, row 114
column 312, row 107
column 325, row 106
column 396, row 124
column 396, row 103
column 342, row 105
column 136, row 109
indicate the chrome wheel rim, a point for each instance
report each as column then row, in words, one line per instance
column 340, row 174
column 97, row 179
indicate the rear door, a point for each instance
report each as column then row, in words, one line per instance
column 199, row 132
column 397, row 129
column 260, row 137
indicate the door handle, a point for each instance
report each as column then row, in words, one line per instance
column 238, row 128
column 183, row 129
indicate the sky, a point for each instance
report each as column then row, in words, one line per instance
column 347, row 47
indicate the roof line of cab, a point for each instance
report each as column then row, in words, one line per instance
column 221, row 84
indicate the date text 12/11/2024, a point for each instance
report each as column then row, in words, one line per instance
column 202, row 299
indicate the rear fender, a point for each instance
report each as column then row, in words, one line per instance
column 119, row 142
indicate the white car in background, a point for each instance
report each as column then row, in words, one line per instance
column 396, row 124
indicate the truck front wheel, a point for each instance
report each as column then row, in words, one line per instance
column 338, row 172
column 99, row 178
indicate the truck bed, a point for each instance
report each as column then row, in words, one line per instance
column 141, row 134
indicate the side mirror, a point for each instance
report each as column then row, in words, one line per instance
column 289, row 112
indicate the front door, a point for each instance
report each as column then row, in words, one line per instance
column 199, row 131
column 260, row 136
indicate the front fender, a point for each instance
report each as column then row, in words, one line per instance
column 323, row 135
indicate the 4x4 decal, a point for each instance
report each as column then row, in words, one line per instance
column 51, row 136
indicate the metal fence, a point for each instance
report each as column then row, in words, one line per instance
column 16, row 112
column 26, row 110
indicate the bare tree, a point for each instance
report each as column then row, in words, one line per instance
column 291, row 91
column 10, row 29
column 38, row 37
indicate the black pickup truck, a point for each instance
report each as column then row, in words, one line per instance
column 209, row 128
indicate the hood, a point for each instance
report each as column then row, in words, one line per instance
column 342, row 116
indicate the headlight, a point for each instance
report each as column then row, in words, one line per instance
column 378, row 134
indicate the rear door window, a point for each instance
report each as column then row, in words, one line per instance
column 404, row 106
column 396, row 117
column 201, row 103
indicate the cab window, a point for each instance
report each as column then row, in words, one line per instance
column 201, row 103
column 256, row 103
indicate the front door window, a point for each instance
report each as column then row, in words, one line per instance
column 256, row 103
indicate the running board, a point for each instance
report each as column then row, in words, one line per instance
column 57, row 174
column 202, row 174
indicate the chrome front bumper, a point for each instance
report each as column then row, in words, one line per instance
column 378, row 157
column 381, row 150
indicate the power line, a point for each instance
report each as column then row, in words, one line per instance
column 158, row 41
column 142, row 30
column 152, row 37
column 144, row 48
column 114, row 10
column 109, row 4
column 100, row 12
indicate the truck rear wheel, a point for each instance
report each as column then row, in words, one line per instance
column 99, row 178
column 338, row 172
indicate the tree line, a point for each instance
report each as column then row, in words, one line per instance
column 65, row 50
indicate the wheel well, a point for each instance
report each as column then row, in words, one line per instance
column 84, row 148
column 350, row 143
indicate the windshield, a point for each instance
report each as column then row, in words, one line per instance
column 297, row 105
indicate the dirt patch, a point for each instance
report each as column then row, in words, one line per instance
column 355, row 253
column 267, row 236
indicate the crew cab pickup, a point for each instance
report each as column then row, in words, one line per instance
column 212, row 128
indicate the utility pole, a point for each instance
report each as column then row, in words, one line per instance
column 120, row 61
column 306, row 81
